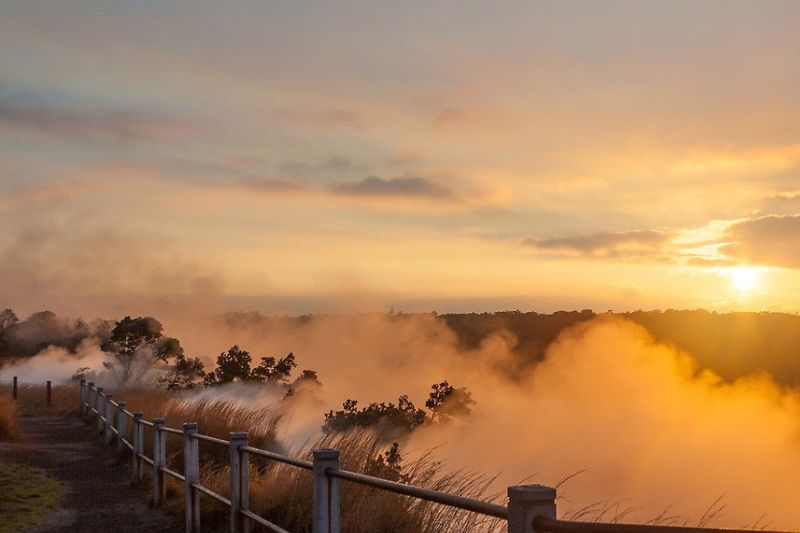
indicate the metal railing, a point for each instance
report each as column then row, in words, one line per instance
column 530, row 508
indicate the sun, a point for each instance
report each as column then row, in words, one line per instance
column 744, row 279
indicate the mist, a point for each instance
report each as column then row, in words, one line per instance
column 644, row 428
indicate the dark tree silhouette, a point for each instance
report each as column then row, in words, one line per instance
column 273, row 371
column 186, row 373
column 137, row 345
column 447, row 402
column 386, row 417
column 233, row 365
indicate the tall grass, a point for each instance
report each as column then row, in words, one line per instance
column 282, row 493
column 8, row 423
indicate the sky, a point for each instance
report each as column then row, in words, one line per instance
column 451, row 156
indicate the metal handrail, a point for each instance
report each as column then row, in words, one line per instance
column 461, row 502
column 213, row 440
column 171, row 431
column 553, row 525
column 146, row 423
column 172, row 473
column 300, row 463
column 220, row 498
column 264, row 522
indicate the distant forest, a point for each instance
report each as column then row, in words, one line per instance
column 731, row 344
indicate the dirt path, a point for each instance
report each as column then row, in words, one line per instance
column 98, row 496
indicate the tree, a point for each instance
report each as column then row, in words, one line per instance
column 447, row 402
column 138, row 344
column 273, row 371
column 231, row 366
column 387, row 417
column 7, row 318
column 307, row 381
column 186, row 373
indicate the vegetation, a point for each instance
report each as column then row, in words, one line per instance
column 282, row 493
column 8, row 426
column 445, row 403
column 28, row 496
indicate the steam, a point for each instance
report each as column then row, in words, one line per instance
column 647, row 428
column 55, row 364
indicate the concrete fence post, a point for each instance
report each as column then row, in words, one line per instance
column 109, row 418
column 159, row 487
column 326, row 492
column 89, row 397
column 81, row 395
column 240, row 483
column 14, row 389
column 526, row 502
column 191, row 471
column 49, row 392
column 99, row 409
column 122, row 425
column 137, row 441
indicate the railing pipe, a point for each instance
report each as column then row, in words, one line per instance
column 100, row 410
column 240, row 483
column 526, row 502
column 49, row 392
column 109, row 418
column 191, row 473
column 159, row 459
column 137, row 441
column 326, row 492
column 14, row 389
column 122, row 427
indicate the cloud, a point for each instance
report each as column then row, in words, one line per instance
column 403, row 187
column 272, row 185
column 68, row 120
column 768, row 240
column 623, row 244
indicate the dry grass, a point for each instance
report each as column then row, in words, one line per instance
column 8, row 425
column 282, row 493
column 32, row 399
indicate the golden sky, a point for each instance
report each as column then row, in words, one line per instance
column 310, row 156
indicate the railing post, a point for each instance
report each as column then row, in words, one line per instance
column 14, row 389
column 191, row 471
column 326, row 492
column 49, row 387
column 109, row 418
column 100, row 410
column 240, row 483
column 122, row 425
column 159, row 487
column 89, row 399
column 526, row 502
column 137, row 440
column 82, row 395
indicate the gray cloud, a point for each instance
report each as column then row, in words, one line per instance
column 623, row 244
column 411, row 187
column 769, row 240
column 25, row 111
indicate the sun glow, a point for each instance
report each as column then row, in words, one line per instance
column 744, row 279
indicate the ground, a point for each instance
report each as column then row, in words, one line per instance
column 97, row 494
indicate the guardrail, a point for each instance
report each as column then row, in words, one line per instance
column 530, row 508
